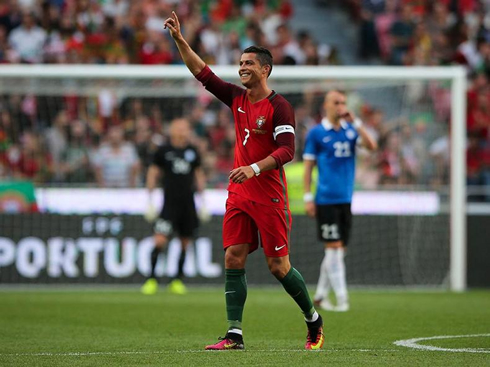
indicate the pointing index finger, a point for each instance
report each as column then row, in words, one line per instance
column 174, row 14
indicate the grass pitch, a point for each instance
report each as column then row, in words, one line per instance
column 124, row 328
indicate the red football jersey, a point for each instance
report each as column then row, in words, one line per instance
column 256, row 127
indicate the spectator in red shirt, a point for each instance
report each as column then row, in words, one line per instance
column 156, row 50
column 32, row 161
column 479, row 115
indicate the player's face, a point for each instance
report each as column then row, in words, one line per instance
column 180, row 131
column 250, row 70
column 335, row 105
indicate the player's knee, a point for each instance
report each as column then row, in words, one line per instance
column 159, row 245
column 234, row 262
column 235, row 257
column 334, row 244
column 278, row 273
column 279, row 268
column 160, row 241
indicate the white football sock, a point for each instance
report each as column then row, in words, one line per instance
column 313, row 318
column 235, row 331
column 336, row 273
column 323, row 285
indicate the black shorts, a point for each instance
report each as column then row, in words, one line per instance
column 177, row 219
column 334, row 222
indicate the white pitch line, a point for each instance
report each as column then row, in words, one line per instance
column 88, row 354
column 413, row 343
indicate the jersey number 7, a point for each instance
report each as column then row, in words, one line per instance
column 246, row 136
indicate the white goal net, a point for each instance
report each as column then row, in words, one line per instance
column 409, row 226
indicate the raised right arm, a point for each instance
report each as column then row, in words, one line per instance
column 222, row 90
column 192, row 60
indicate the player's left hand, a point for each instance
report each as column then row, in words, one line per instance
column 241, row 174
column 310, row 209
column 151, row 213
column 202, row 211
column 349, row 117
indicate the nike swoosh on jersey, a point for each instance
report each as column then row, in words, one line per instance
column 327, row 139
column 240, row 110
column 278, row 248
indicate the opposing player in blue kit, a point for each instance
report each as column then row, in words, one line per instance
column 331, row 145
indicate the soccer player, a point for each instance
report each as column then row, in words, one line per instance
column 257, row 211
column 180, row 164
column 331, row 145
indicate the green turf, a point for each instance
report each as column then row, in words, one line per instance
column 123, row 328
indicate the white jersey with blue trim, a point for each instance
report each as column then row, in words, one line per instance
column 335, row 155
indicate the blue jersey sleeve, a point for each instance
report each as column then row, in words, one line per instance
column 310, row 151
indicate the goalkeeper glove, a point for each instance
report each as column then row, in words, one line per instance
column 203, row 213
column 151, row 213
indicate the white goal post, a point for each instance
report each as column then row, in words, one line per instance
column 31, row 77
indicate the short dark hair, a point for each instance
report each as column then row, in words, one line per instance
column 263, row 55
column 341, row 91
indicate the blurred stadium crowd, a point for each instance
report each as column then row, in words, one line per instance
column 110, row 144
column 442, row 32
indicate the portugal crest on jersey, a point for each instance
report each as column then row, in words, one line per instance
column 260, row 121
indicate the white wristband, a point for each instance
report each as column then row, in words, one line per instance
column 256, row 168
column 357, row 123
column 308, row 197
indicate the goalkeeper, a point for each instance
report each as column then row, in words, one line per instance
column 180, row 164
column 331, row 145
